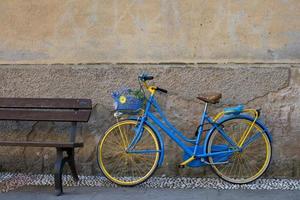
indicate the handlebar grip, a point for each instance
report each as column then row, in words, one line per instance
column 162, row 90
column 145, row 77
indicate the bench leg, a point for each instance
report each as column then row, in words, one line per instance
column 71, row 162
column 58, row 169
column 59, row 166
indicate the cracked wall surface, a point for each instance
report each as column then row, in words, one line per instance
column 97, row 31
column 273, row 88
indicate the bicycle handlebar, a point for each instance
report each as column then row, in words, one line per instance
column 162, row 90
column 145, row 77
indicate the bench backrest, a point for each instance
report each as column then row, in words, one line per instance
column 45, row 109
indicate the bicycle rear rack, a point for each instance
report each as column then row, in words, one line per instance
column 253, row 112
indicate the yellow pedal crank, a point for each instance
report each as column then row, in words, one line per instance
column 184, row 163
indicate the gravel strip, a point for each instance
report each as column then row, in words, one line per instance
column 11, row 181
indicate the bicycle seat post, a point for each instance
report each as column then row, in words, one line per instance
column 204, row 114
column 205, row 108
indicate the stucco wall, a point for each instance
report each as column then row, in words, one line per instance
column 97, row 31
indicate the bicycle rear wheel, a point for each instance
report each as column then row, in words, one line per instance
column 248, row 164
column 127, row 168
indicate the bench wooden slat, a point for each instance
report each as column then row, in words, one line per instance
column 42, row 144
column 49, row 115
column 46, row 103
column 46, row 109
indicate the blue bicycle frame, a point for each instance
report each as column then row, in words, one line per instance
column 195, row 152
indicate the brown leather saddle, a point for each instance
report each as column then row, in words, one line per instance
column 212, row 98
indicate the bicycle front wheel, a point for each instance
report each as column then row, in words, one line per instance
column 254, row 158
column 123, row 167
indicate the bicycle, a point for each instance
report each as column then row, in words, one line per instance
column 237, row 146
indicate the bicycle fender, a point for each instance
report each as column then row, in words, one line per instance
column 160, row 139
column 227, row 117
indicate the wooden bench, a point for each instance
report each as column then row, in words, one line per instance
column 49, row 109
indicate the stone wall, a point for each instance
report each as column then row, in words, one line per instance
column 273, row 88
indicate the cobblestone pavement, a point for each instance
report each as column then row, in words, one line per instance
column 133, row 193
column 12, row 181
column 39, row 186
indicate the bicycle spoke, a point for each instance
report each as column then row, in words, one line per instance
column 251, row 162
column 128, row 168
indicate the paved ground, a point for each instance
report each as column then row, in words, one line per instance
column 99, row 193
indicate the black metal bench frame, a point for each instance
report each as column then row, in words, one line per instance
column 49, row 109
